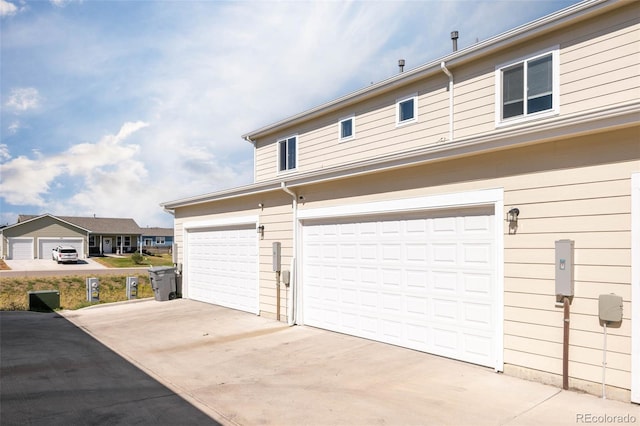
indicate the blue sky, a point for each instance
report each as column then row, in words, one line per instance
column 112, row 107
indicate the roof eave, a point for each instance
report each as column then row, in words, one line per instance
column 532, row 29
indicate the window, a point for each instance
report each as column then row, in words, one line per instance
column 119, row 241
column 346, row 128
column 407, row 110
column 160, row 241
column 528, row 88
column 148, row 242
column 287, row 153
column 127, row 241
column 92, row 241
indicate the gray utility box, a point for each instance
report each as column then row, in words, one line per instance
column 163, row 282
column 44, row 300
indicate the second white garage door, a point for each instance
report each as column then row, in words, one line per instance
column 425, row 282
column 45, row 245
column 222, row 267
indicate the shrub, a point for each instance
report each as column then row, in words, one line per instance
column 137, row 258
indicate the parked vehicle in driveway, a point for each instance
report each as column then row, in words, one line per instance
column 64, row 254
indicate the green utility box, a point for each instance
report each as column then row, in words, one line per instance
column 44, row 300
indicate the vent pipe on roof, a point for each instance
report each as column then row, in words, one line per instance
column 401, row 65
column 454, row 39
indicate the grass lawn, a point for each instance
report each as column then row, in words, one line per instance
column 14, row 290
column 127, row 261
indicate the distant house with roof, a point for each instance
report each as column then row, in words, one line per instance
column 33, row 236
column 157, row 239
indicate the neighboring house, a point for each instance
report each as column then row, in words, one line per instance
column 33, row 237
column 157, row 238
column 391, row 206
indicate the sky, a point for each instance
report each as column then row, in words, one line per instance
column 110, row 108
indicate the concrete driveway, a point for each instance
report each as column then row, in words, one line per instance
column 241, row 369
column 47, row 267
column 51, row 265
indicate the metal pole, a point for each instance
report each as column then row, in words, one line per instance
column 565, row 346
column 278, row 295
column 604, row 360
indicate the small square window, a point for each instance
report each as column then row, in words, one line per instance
column 407, row 110
column 347, row 128
column 287, row 153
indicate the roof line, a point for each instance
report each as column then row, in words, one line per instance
column 534, row 28
column 620, row 116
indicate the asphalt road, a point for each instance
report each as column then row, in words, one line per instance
column 53, row 373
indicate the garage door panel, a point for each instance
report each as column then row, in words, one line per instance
column 48, row 244
column 420, row 282
column 20, row 248
column 222, row 267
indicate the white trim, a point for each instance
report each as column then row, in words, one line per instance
column 351, row 118
column 493, row 197
column 555, row 96
column 414, row 97
column 635, row 287
column 216, row 223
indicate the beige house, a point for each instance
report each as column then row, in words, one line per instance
column 33, row 236
column 395, row 206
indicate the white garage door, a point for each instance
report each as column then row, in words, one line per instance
column 45, row 245
column 425, row 282
column 20, row 248
column 222, row 267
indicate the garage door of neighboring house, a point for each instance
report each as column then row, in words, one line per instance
column 45, row 245
column 422, row 280
column 222, row 266
column 20, row 248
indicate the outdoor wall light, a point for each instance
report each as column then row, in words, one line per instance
column 260, row 230
column 260, row 205
column 512, row 218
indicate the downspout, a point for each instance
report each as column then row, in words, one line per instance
column 248, row 139
column 450, row 90
column 293, row 281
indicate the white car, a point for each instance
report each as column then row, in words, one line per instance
column 65, row 254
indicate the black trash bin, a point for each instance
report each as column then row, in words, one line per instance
column 163, row 282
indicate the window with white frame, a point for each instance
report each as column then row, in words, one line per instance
column 527, row 88
column 160, row 241
column 346, row 128
column 287, row 153
column 127, row 241
column 407, row 110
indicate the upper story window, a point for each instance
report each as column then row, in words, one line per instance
column 407, row 110
column 287, row 153
column 347, row 128
column 527, row 88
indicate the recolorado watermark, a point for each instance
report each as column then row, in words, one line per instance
column 591, row 418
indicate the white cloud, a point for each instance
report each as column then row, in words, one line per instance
column 14, row 126
column 23, row 99
column 198, row 74
column 27, row 181
column 4, row 153
column 7, row 8
column 63, row 3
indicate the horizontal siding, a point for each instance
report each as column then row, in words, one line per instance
column 577, row 189
column 593, row 209
column 599, row 66
column 599, row 63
